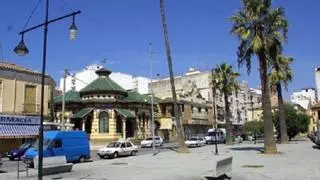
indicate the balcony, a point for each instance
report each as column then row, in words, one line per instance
column 29, row 108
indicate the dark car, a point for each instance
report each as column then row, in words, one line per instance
column 17, row 153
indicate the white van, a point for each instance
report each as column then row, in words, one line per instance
column 212, row 134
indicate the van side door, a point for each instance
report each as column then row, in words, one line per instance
column 55, row 148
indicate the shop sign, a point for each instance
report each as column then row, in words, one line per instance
column 10, row 119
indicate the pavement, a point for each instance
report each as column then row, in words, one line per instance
column 299, row 160
column 12, row 166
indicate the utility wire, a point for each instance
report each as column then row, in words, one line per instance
column 66, row 4
column 34, row 9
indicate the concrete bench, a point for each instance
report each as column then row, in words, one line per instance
column 222, row 167
column 54, row 165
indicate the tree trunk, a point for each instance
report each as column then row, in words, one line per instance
column 215, row 125
column 269, row 141
column 228, row 122
column 181, row 140
column 283, row 125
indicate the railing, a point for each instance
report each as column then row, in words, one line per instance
column 30, row 108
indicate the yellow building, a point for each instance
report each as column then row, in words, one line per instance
column 315, row 112
column 20, row 96
column 255, row 114
column 106, row 111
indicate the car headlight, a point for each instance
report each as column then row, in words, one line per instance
column 14, row 153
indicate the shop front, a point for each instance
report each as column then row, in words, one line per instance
column 16, row 129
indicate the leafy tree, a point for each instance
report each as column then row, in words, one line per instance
column 254, row 127
column 296, row 122
column 281, row 73
column 224, row 79
column 180, row 131
column 261, row 31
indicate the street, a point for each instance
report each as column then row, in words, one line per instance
column 11, row 166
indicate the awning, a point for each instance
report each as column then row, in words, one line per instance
column 14, row 131
column 82, row 113
column 125, row 113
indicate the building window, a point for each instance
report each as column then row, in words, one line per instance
column 191, row 109
column 30, row 105
column 103, row 122
column 199, row 109
column 206, row 110
column 182, row 107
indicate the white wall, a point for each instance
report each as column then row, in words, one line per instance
column 304, row 98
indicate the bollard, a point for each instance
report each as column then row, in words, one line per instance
column 18, row 170
column 27, row 170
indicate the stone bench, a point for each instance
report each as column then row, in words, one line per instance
column 222, row 167
column 54, row 165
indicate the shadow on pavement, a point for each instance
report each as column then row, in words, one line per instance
column 259, row 149
column 316, row 147
column 223, row 177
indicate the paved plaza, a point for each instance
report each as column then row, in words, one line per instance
column 299, row 160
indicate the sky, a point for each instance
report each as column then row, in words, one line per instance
column 120, row 31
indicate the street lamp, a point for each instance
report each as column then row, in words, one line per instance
column 21, row 50
column 73, row 29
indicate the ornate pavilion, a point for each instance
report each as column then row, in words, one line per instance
column 105, row 110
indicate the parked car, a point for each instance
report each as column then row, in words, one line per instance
column 195, row 142
column 148, row 142
column 72, row 144
column 119, row 148
column 18, row 152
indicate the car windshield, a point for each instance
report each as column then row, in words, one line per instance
column 25, row 145
column 46, row 142
column 114, row 145
column 149, row 139
column 193, row 139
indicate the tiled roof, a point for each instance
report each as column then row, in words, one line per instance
column 103, row 84
column 317, row 105
column 16, row 68
column 125, row 113
column 71, row 96
column 134, row 96
column 82, row 113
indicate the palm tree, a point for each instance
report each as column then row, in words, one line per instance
column 281, row 73
column 181, row 140
column 225, row 80
column 261, row 31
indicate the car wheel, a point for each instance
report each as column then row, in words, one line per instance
column 11, row 158
column 115, row 155
column 133, row 153
column 102, row 157
column 82, row 159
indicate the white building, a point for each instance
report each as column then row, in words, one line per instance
column 200, row 82
column 317, row 76
column 305, row 98
column 80, row 79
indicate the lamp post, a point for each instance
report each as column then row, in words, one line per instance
column 21, row 49
column 152, row 102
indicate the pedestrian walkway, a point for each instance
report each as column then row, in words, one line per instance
column 298, row 160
